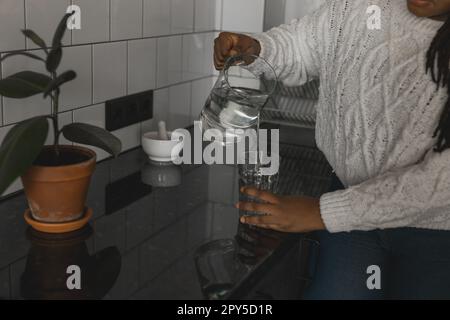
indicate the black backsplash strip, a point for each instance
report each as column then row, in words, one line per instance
column 126, row 111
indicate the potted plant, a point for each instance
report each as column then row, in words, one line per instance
column 55, row 177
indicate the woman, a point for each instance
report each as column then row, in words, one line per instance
column 383, row 122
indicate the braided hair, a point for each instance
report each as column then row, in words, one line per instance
column 438, row 64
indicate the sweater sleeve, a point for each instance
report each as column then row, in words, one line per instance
column 415, row 196
column 296, row 49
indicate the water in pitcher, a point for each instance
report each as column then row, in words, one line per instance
column 233, row 108
column 238, row 97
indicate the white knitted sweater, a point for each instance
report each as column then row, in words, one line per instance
column 376, row 114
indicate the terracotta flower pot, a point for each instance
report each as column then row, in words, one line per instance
column 56, row 187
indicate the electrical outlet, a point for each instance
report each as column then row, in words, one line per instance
column 126, row 111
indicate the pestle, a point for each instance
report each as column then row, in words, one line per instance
column 162, row 131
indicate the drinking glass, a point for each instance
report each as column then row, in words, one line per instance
column 218, row 268
column 250, row 175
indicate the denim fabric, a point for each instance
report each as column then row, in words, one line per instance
column 414, row 264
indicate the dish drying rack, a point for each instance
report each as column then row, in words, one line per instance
column 293, row 106
column 305, row 170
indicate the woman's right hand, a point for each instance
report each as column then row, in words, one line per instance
column 230, row 44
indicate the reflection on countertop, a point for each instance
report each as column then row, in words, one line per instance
column 150, row 223
column 58, row 261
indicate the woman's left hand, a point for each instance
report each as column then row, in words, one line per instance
column 282, row 213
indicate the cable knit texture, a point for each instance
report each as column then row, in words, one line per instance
column 376, row 114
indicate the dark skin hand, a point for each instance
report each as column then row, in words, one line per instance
column 230, row 44
column 282, row 213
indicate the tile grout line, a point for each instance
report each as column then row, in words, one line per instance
column 155, row 89
column 194, row 16
column 71, row 31
column 92, row 74
column 157, row 64
column 221, row 14
column 121, row 40
column 110, row 21
column 187, row 81
column 142, row 17
column 170, row 16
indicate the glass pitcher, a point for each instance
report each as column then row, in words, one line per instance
column 238, row 97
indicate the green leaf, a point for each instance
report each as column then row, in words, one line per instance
column 54, row 59
column 61, row 30
column 20, row 148
column 56, row 83
column 24, row 84
column 21, row 53
column 30, row 34
column 94, row 136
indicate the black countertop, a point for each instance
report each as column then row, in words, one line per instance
column 143, row 240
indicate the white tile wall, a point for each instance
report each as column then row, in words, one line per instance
column 209, row 52
column 94, row 21
column 218, row 15
column 130, row 136
column 198, row 51
column 243, row 16
column 15, row 110
column 78, row 92
column 205, row 15
column 110, row 71
column 111, row 58
column 141, row 65
column 12, row 17
column 193, row 52
column 169, row 67
column 160, row 107
column 126, row 19
column 179, row 106
column 43, row 16
column 299, row 8
column 182, row 16
column 156, row 17
column 215, row 72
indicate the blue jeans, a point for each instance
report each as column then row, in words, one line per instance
column 414, row 264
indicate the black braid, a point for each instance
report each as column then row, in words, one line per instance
column 438, row 64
